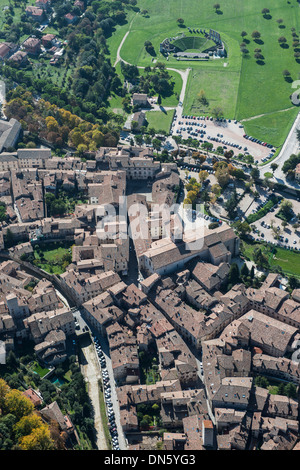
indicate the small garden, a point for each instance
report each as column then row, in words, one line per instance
column 36, row 368
column 52, row 257
column 149, row 416
column 276, row 387
column 149, row 373
column 64, row 203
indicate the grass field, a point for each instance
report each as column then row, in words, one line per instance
column 242, row 86
column 159, row 120
column 288, row 260
column 272, row 128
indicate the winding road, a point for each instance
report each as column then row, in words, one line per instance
column 183, row 73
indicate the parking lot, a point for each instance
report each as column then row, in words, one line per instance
column 225, row 133
column 110, row 395
column 289, row 237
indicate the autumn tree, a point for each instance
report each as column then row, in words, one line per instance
column 203, row 175
column 17, row 404
column 38, row 439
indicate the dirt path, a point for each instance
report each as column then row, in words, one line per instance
column 91, row 372
column 266, row 114
column 119, row 49
column 122, row 42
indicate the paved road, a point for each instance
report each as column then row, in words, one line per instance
column 290, row 146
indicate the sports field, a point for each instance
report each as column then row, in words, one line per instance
column 242, row 86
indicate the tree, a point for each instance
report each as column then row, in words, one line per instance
column 274, row 167
column 256, row 35
column 216, row 189
column 202, row 98
column 58, row 207
column 260, row 259
column 38, row 439
column 222, row 176
column 234, row 274
column 27, row 424
column 244, row 51
column 245, row 271
column 217, row 6
column 134, row 125
column 3, row 214
column 286, row 208
column 258, row 56
column 203, row 175
column 290, row 390
column 261, row 381
column 139, row 139
column 17, row 404
column 180, row 21
column 217, row 112
column 265, row 12
column 282, row 40
column 255, row 173
column 243, row 228
column 208, row 146
column 228, row 154
column 231, row 205
column 4, row 389
column 291, row 163
column 293, row 283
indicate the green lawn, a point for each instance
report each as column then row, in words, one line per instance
column 212, row 84
column 36, row 367
column 240, row 85
column 159, row 120
column 272, row 128
column 115, row 104
column 53, row 257
column 288, row 260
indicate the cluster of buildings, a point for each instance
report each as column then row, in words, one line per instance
column 33, row 46
column 179, row 311
column 35, row 314
column 171, row 318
